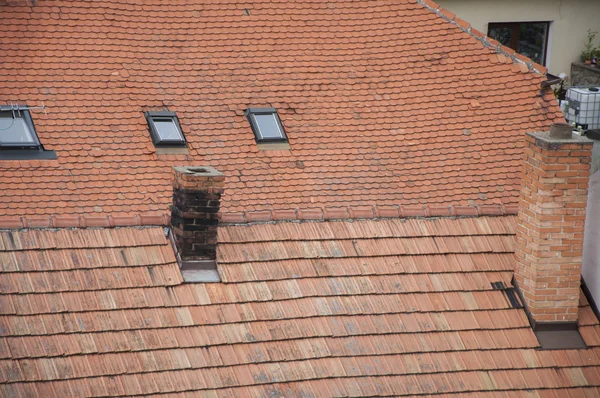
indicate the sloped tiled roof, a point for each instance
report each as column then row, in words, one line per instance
column 383, row 103
column 340, row 308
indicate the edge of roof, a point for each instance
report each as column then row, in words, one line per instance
column 484, row 39
column 247, row 217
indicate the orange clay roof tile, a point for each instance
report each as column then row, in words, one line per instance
column 362, row 101
column 393, row 119
column 105, row 312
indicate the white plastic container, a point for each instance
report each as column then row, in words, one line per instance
column 583, row 107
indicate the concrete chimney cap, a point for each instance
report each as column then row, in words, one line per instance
column 544, row 139
column 200, row 171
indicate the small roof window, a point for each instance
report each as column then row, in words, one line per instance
column 18, row 139
column 165, row 129
column 16, row 129
column 266, row 124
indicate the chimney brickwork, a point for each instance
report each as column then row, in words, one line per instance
column 550, row 228
column 195, row 213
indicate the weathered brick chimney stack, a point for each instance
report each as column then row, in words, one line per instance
column 195, row 218
column 551, row 221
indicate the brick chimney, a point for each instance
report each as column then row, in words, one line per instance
column 194, row 220
column 550, row 226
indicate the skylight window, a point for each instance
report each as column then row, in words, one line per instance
column 266, row 125
column 18, row 139
column 165, row 129
column 16, row 129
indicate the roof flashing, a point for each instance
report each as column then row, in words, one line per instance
column 274, row 146
column 552, row 335
column 194, row 271
column 557, row 336
column 26, row 154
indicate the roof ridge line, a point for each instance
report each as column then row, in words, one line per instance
column 484, row 39
column 84, row 221
column 245, row 217
column 367, row 212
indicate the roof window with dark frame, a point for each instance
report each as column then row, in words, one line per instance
column 18, row 138
column 266, row 125
column 165, row 129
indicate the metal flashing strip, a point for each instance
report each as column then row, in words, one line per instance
column 590, row 298
column 553, row 335
column 194, row 271
column 559, row 337
column 27, row 154
column 510, row 293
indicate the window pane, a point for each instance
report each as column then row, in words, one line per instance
column 268, row 126
column 167, row 130
column 532, row 40
column 14, row 131
column 501, row 34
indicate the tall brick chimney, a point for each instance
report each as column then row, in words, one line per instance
column 194, row 220
column 550, row 227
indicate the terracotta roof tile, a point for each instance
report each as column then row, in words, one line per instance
column 384, row 140
column 342, row 298
column 397, row 323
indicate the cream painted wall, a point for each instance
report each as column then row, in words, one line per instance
column 570, row 20
column 591, row 236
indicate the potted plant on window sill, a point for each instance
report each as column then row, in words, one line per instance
column 588, row 49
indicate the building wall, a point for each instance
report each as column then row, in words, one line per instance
column 591, row 236
column 585, row 75
column 570, row 20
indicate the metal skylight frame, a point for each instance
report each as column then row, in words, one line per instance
column 152, row 117
column 251, row 114
column 20, row 112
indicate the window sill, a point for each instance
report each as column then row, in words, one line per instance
column 26, row 154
